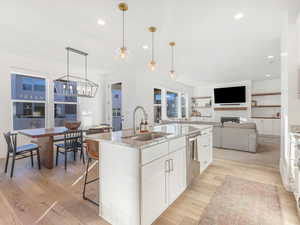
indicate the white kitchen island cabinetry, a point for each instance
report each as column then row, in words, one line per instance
column 139, row 180
column 163, row 180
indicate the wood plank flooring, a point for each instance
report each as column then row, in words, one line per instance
column 53, row 197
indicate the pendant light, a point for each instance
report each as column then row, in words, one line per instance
column 123, row 50
column 75, row 86
column 172, row 71
column 152, row 63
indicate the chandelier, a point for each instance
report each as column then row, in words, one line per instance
column 70, row 85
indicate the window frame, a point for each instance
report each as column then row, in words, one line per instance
column 12, row 101
column 158, row 104
column 62, row 103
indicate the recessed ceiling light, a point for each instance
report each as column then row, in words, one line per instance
column 145, row 47
column 284, row 54
column 270, row 57
column 101, row 22
column 268, row 75
column 239, row 16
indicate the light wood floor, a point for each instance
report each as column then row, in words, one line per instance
column 52, row 197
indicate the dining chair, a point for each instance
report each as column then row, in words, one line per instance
column 19, row 152
column 92, row 152
column 72, row 126
column 73, row 140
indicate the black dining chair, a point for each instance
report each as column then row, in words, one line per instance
column 19, row 152
column 73, row 141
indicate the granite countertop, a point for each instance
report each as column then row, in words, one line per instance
column 172, row 130
column 242, row 125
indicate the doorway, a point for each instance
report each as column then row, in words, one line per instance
column 116, row 95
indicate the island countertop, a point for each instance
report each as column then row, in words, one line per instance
column 172, row 130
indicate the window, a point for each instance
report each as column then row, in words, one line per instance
column 28, row 102
column 157, row 105
column 183, row 105
column 172, row 104
column 65, row 104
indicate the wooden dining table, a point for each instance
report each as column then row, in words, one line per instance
column 44, row 137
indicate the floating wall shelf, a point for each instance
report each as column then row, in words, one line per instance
column 266, row 106
column 262, row 117
column 230, row 108
column 202, row 97
column 266, row 94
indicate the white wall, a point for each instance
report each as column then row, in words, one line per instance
column 13, row 63
column 262, row 86
column 138, row 89
column 209, row 91
column 265, row 86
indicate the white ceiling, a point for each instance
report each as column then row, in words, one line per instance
column 211, row 45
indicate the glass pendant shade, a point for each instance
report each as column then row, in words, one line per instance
column 122, row 52
column 152, row 65
column 173, row 74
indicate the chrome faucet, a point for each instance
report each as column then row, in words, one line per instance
column 134, row 114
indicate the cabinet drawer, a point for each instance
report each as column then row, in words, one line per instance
column 204, row 141
column 206, row 131
column 154, row 152
column 177, row 143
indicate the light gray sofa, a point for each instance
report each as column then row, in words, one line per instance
column 237, row 136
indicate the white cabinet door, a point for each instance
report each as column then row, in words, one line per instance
column 154, row 189
column 259, row 125
column 268, row 126
column 276, row 126
column 177, row 174
column 205, row 151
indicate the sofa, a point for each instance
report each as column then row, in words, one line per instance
column 236, row 136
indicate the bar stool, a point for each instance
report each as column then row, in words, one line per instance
column 92, row 151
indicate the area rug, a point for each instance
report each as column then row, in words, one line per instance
column 242, row 202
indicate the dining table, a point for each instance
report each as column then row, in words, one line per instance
column 44, row 137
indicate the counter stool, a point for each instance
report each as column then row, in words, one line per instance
column 92, row 151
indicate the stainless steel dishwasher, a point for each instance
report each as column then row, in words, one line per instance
column 192, row 161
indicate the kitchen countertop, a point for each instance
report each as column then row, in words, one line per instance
column 242, row 124
column 172, row 130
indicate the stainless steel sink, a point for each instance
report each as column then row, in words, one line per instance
column 148, row 136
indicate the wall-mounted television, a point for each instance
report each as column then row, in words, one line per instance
column 229, row 95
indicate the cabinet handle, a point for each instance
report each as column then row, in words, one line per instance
column 167, row 166
column 172, row 165
column 166, row 171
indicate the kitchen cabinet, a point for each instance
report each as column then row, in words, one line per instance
column 177, row 174
column 139, row 181
column 205, row 149
column 268, row 126
column 154, row 189
column 163, row 180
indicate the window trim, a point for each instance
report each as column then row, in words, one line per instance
column 63, row 103
column 164, row 102
column 46, row 101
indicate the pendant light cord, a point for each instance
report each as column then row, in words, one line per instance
column 68, row 64
column 123, row 29
column 152, row 46
column 172, row 62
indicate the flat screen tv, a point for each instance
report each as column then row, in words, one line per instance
column 230, row 95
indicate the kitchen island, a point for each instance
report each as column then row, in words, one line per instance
column 142, row 175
